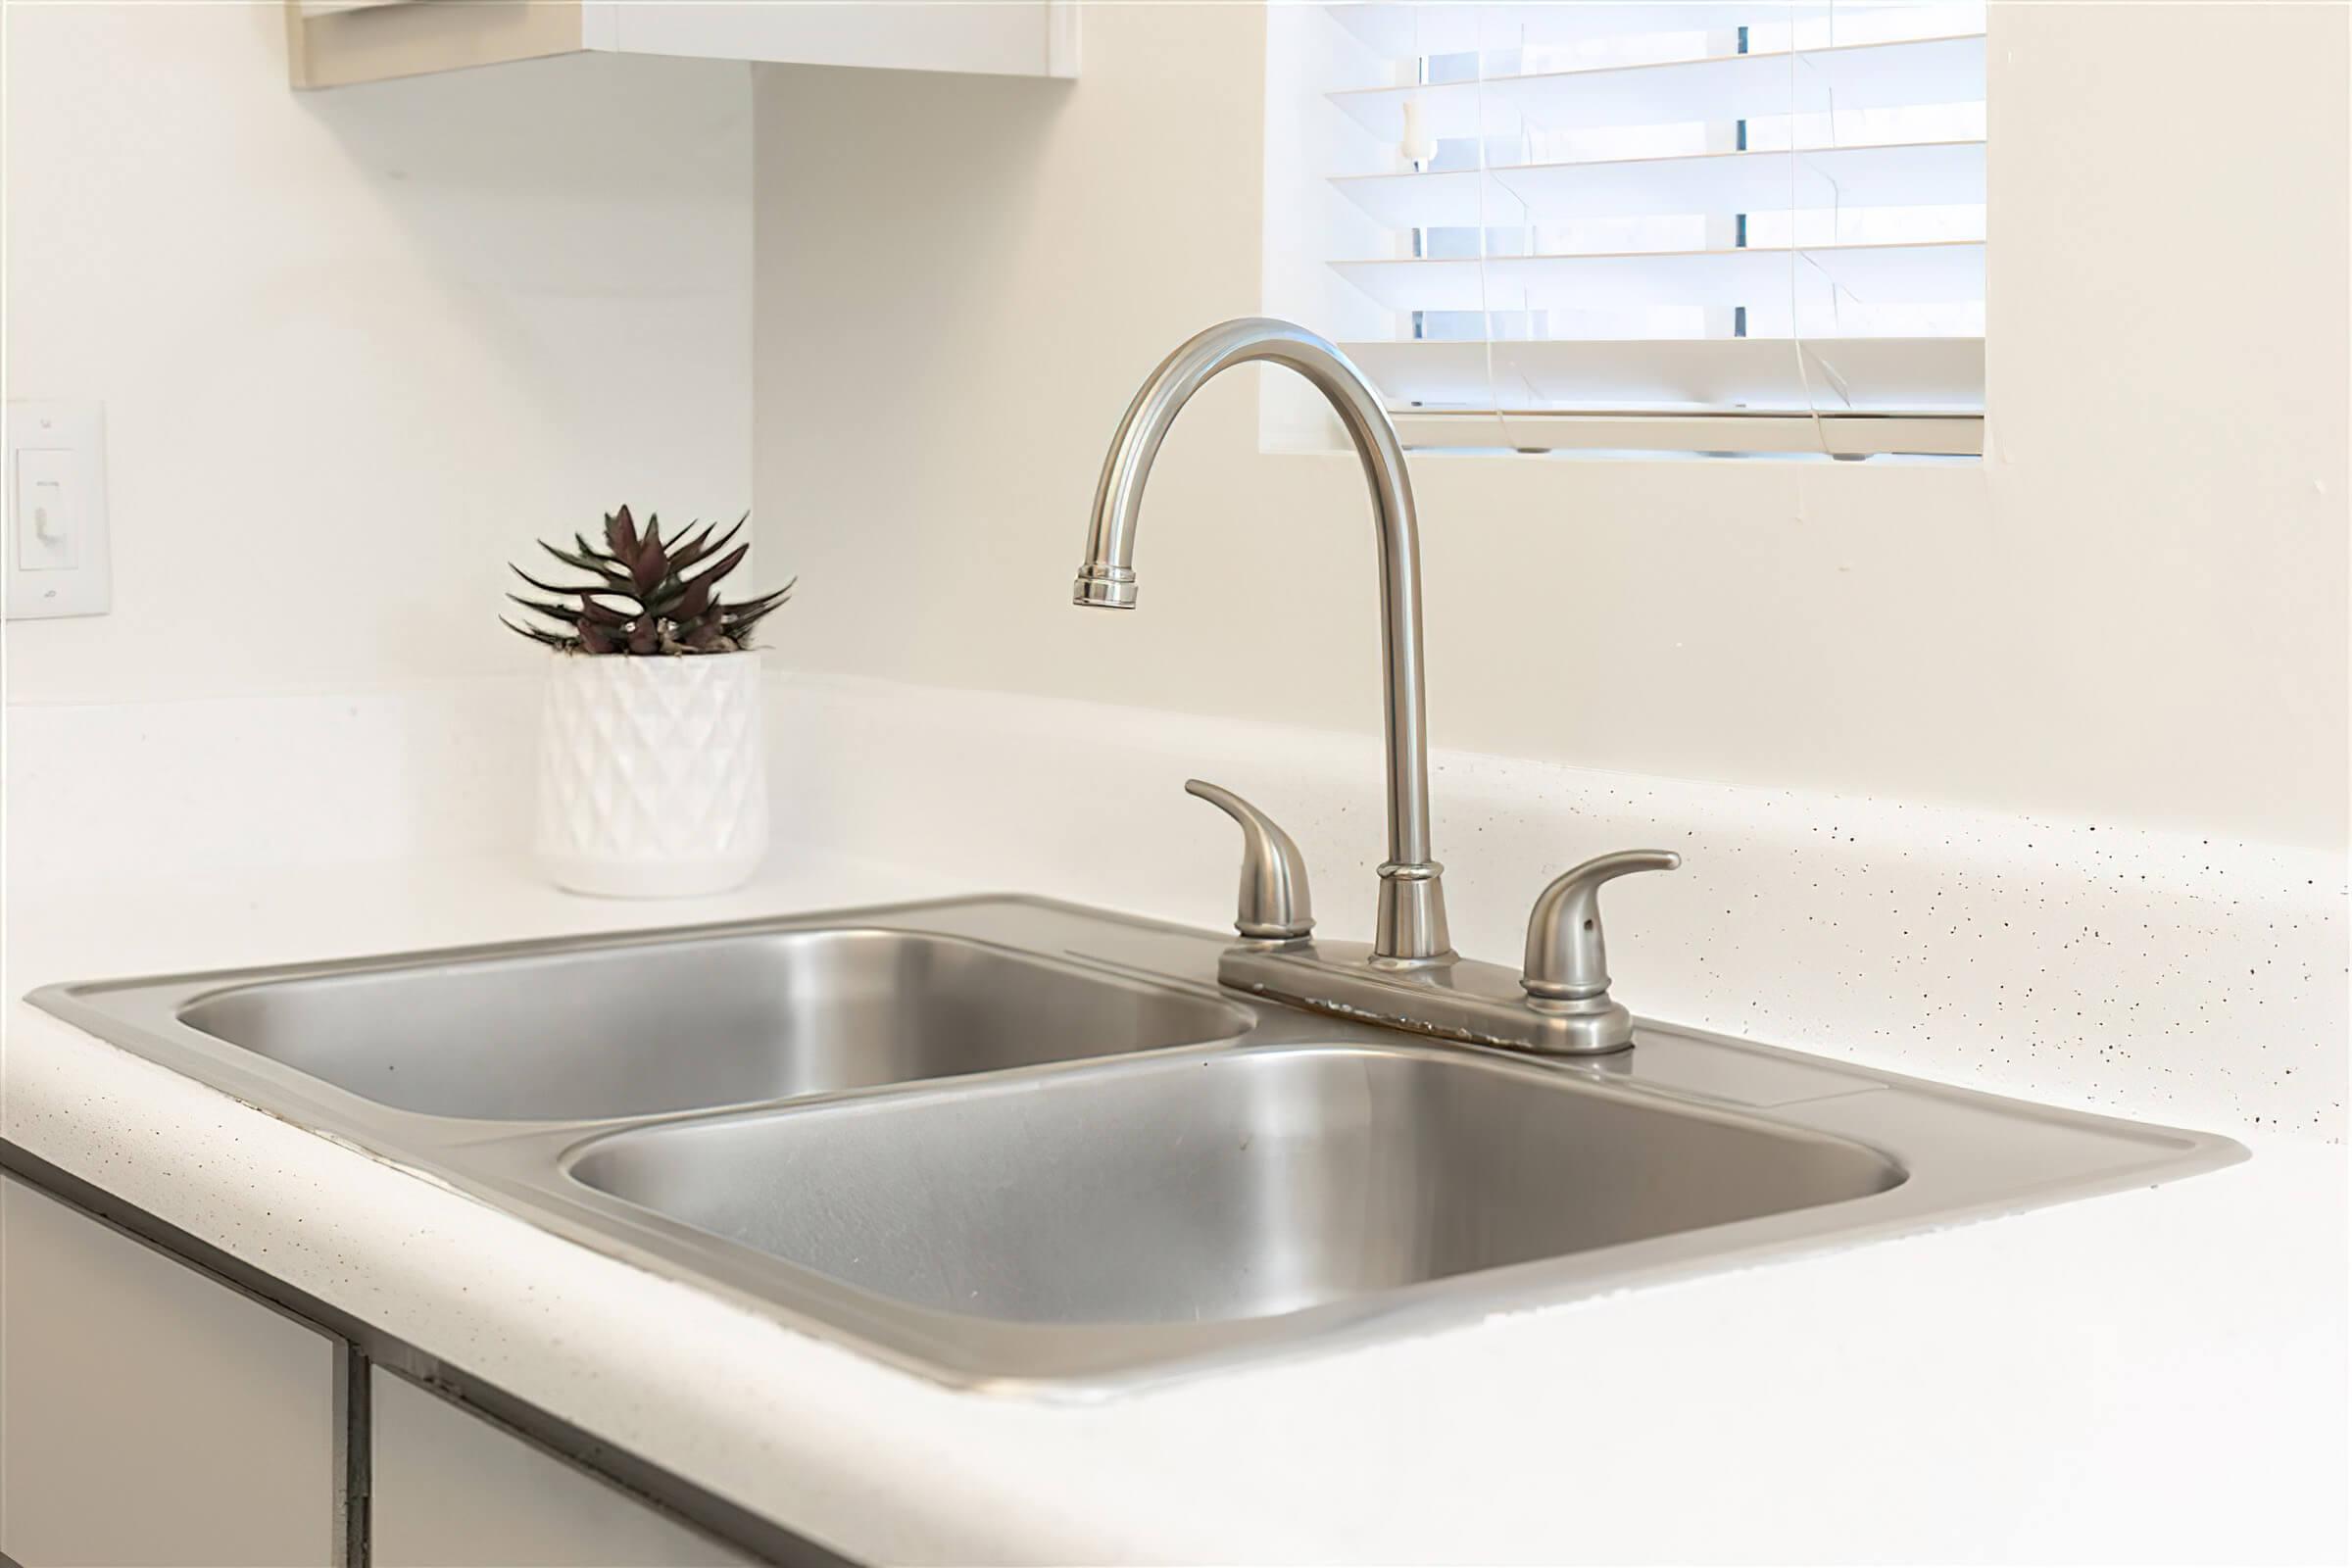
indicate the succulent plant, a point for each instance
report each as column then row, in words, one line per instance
column 642, row 597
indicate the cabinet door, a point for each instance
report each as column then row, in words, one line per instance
column 454, row 1491
column 150, row 1414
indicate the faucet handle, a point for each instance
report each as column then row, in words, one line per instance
column 1566, row 960
column 1274, row 903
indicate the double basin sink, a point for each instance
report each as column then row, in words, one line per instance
column 1007, row 1142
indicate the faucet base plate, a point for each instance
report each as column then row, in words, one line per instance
column 1450, row 998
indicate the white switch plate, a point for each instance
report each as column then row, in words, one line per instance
column 56, row 557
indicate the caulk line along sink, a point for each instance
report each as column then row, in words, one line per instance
column 1006, row 1142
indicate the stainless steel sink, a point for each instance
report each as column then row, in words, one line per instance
column 1003, row 1142
column 595, row 1031
column 1242, row 1184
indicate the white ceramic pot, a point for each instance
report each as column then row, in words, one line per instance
column 653, row 773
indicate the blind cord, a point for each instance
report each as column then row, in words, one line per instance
column 1796, row 326
column 1485, row 313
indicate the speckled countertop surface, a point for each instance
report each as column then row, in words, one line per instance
column 2154, row 1375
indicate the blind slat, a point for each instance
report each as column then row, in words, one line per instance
column 1872, row 375
column 1457, row 26
column 1856, row 435
column 1922, row 273
column 1901, row 173
column 1720, row 88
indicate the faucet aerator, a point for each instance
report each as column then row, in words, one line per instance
column 1104, row 588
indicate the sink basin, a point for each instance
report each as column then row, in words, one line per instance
column 1003, row 1142
column 1242, row 1184
column 629, row 1029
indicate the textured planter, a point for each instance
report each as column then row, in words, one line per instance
column 653, row 776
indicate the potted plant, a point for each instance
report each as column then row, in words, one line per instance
column 652, row 776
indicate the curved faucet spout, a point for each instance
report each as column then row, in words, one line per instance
column 1411, row 923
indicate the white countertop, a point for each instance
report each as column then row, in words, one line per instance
column 2154, row 1375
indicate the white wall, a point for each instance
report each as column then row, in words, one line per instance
column 2134, row 610
column 359, row 346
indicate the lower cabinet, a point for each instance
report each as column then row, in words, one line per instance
column 149, row 1414
column 454, row 1491
column 152, row 1417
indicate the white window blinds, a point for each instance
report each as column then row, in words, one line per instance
column 1715, row 226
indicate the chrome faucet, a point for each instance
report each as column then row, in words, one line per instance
column 1411, row 925
column 1409, row 977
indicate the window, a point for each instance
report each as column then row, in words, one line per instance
column 1666, row 226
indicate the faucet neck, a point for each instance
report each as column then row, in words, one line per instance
column 1410, row 926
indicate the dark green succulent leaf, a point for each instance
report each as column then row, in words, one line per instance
column 605, row 561
column 689, row 546
column 758, row 606
column 719, row 543
column 603, row 614
column 564, row 614
column 775, row 598
column 739, row 628
column 703, row 544
column 582, row 590
column 673, row 591
column 588, row 564
column 720, row 567
column 751, row 611
column 743, row 620
column 761, row 605
column 547, row 638
column 599, row 639
column 620, row 532
column 665, row 596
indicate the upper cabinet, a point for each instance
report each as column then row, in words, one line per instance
column 331, row 43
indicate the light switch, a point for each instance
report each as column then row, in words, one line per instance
column 47, row 533
column 56, row 557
